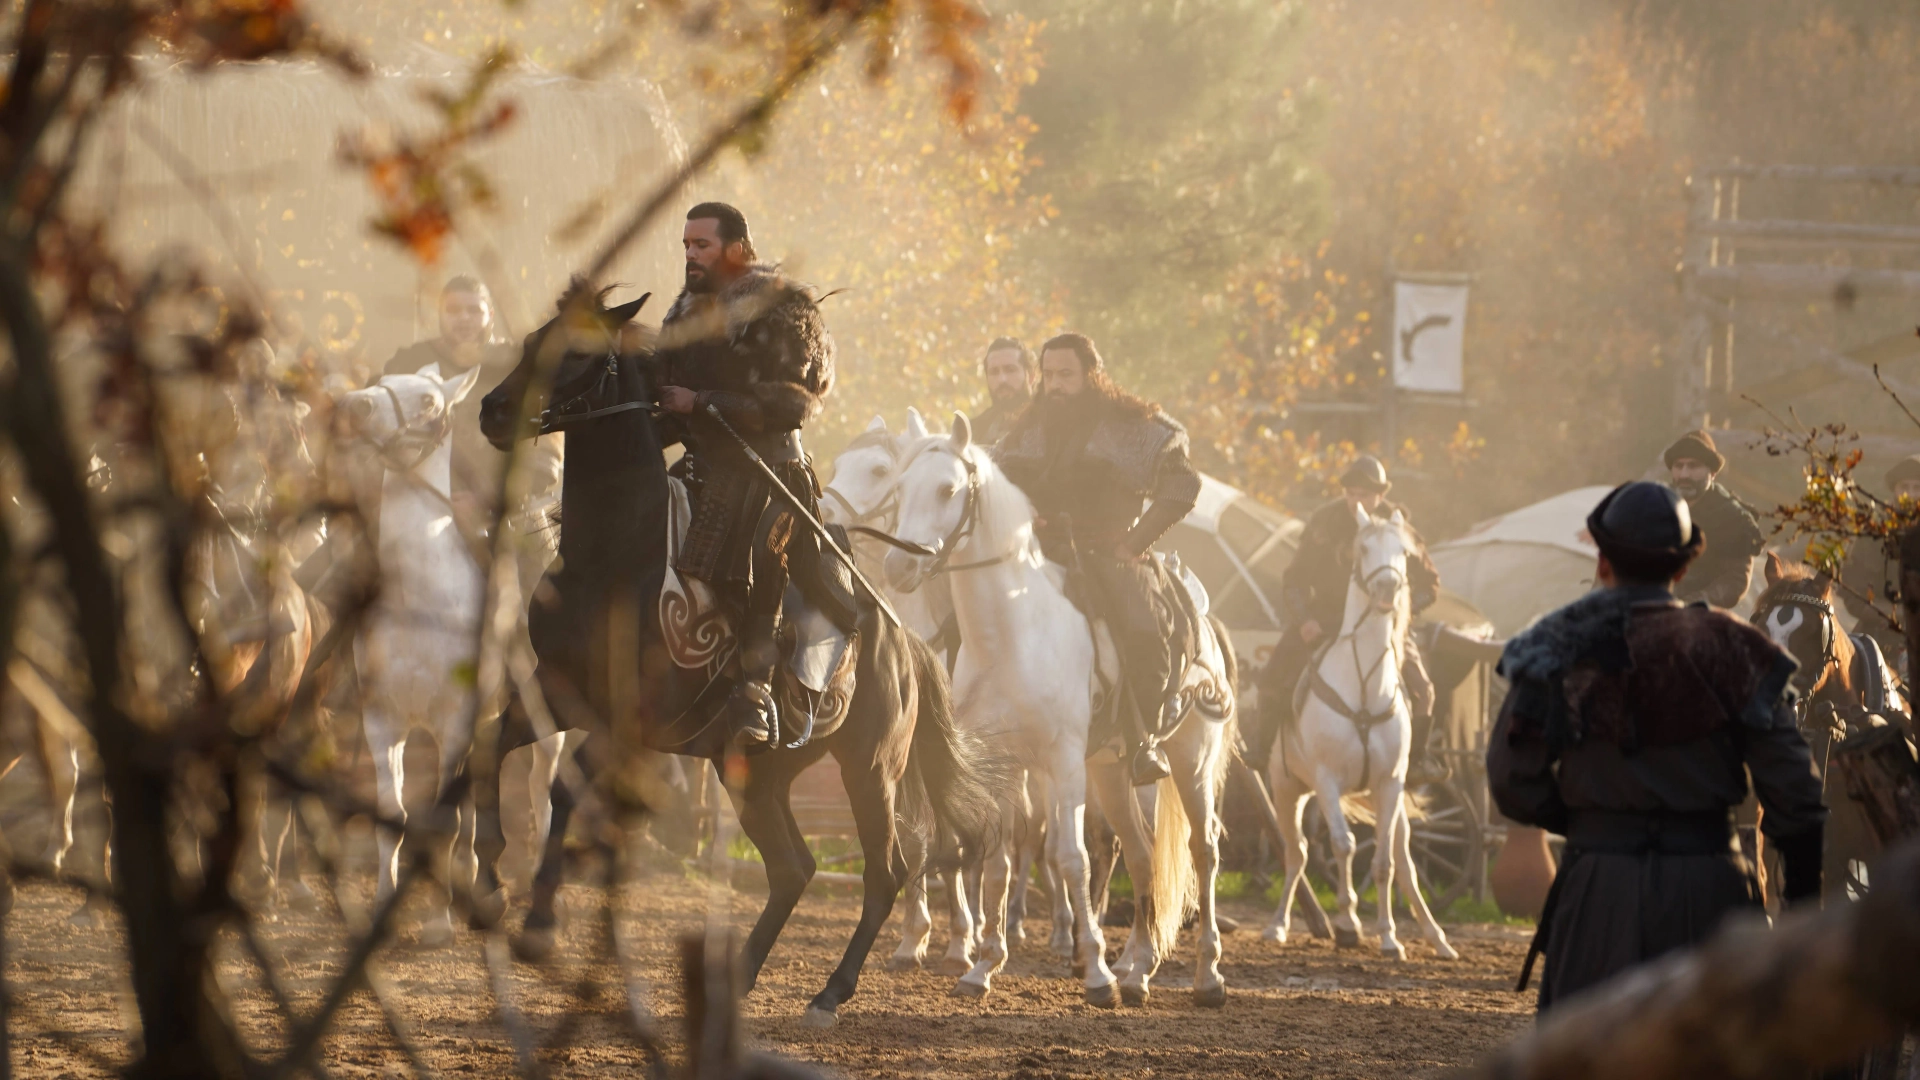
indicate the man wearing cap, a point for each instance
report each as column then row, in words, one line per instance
column 1314, row 600
column 1633, row 724
column 1011, row 373
column 1724, row 570
column 1870, row 574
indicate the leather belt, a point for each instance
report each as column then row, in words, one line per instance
column 1613, row 832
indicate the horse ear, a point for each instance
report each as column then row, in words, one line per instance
column 878, row 423
column 458, row 388
column 1399, row 518
column 1361, row 516
column 916, row 424
column 962, row 431
column 622, row 315
column 1775, row 568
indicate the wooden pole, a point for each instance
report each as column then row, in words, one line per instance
column 1815, row 993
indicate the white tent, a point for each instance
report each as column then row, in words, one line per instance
column 1521, row 565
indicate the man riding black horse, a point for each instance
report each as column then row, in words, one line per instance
column 743, row 341
column 1090, row 455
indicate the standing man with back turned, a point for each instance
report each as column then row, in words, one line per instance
column 748, row 342
column 1632, row 728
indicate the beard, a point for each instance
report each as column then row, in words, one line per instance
column 699, row 279
column 1009, row 397
column 1066, row 412
column 1689, row 489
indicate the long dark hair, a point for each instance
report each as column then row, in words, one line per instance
column 1092, row 368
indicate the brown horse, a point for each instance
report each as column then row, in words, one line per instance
column 1845, row 685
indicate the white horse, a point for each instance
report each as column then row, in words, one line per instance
column 1027, row 676
column 417, row 650
column 1352, row 735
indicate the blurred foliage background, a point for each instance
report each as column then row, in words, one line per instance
column 1219, row 192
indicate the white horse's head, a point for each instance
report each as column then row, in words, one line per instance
column 1380, row 553
column 955, row 504
column 863, row 478
column 405, row 417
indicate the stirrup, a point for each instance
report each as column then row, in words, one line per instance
column 753, row 715
column 1149, row 766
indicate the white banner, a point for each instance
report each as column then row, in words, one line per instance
column 1429, row 336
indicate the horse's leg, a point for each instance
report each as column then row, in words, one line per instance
column 916, row 925
column 1387, row 815
column 1346, row 920
column 1114, row 792
column 537, row 934
column 1289, row 800
column 767, row 820
column 996, row 870
column 438, row 929
column 1023, row 863
column 1410, row 886
column 389, row 755
column 962, row 931
column 1203, row 816
column 871, row 792
column 1067, row 825
column 60, row 760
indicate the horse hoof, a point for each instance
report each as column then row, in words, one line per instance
column 83, row 919
column 965, row 989
column 1275, row 934
column 486, row 911
column 818, row 1018
column 907, row 962
column 1446, row 951
column 1346, row 939
column 1016, row 935
column 1133, row 995
column 1226, row 925
column 1210, row 997
column 954, row 965
column 1393, row 952
column 1103, row 997
column 534, row 945
column 436, row 935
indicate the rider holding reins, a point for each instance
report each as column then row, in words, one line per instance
column 1314, row 598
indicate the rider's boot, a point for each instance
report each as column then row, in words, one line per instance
column 750, row 709
column 1149, row 763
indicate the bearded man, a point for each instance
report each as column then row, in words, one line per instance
column 1632, row 728
column 1011, row 374
column 1108, row 475
column 1313, row 596
column 747, row 342
column 469, row 336
column 1725, row 569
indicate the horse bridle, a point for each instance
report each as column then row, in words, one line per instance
column 1362, row 718
column 403, row 435
column 1829, row 628
column 942, row 553
column 857, row 519
column 564, row 415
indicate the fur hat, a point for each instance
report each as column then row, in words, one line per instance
column 1698, row 445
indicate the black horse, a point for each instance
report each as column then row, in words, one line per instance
column 596, row 629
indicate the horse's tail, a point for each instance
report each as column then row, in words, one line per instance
column 953, row 774
column 1176, row 888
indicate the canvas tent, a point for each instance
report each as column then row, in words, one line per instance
column 1519, row 566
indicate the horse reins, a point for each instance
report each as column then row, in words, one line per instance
column 962, row 529
column 1364, row 720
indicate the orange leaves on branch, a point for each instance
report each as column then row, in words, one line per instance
column 210, row 31
column 422, row 183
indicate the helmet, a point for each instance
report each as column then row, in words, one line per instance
column 1645, row 530
column 1366, row 474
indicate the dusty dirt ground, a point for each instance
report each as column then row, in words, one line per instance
column 1301, row 1010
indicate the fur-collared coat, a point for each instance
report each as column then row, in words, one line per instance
column 759, row 352
column 1632, row 728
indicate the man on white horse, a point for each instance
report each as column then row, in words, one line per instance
column 1090, row 455
column 1011, row 373
column 1632, row 727
column 745, row 341
column 1314, row 598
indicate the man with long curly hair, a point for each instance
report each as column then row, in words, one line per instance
column 1108, row 475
